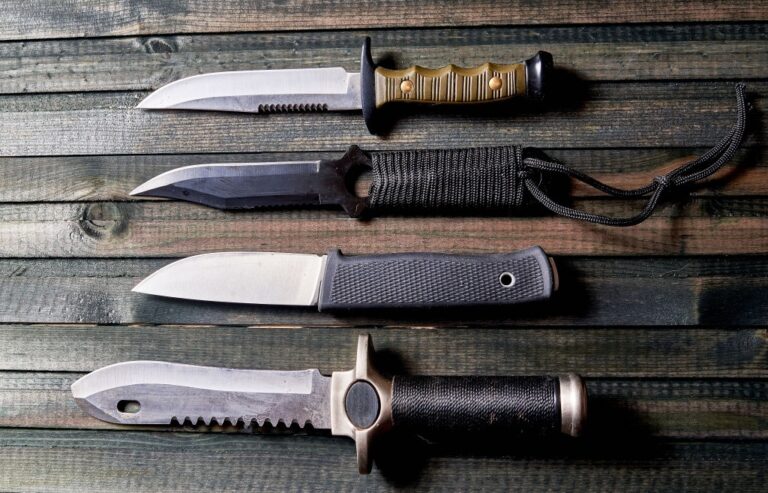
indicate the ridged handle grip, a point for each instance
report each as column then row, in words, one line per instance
column 453, row 85
column 448, row 405
column 431, row 280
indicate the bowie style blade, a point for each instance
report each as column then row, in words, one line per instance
column 359, row 403
column 334, row 89
column 336, row 281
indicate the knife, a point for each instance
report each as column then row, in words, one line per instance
column 470, row 179
column 359, row 403
column 334, row 89
column 336, row 281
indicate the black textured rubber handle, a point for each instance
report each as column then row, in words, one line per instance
column 430, row 280
column 443, row 405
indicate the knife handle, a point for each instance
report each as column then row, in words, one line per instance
column 431, row 280
column 537, row 405
column 450, row 84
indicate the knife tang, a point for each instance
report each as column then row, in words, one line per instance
column 431, row 280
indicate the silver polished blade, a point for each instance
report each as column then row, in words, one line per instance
column 261, row 278
column 257, row 91
column 240, row 185
column 159, row 393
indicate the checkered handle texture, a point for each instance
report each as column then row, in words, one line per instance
column 451, row 405
column 430, row 280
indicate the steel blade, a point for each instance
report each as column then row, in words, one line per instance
column 240, row 277
column 258, row 91
column 240, row 185
column 160, row 393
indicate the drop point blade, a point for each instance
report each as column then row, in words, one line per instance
column 261, row 278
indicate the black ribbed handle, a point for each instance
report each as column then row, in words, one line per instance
column 434, row 280
column 447, row 405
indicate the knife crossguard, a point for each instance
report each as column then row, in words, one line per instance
column 364, row 404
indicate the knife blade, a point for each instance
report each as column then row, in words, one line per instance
column 359, row 403
column 336, row 281
column 334, row 89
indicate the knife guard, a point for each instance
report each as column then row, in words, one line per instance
column 433, row 280
column 448, row 85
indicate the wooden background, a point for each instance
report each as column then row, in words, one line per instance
column 666, row 320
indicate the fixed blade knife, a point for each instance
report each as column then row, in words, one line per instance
column 336, row 281
column 470, row 179
column 360, row 403
column 334, row 89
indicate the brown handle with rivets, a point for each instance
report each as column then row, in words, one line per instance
column 451, row 84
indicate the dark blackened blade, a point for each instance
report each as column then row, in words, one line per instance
column 251, row 185
column 241, row 185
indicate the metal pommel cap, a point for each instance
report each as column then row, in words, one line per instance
column 573, row 404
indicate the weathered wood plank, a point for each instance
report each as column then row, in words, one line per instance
column 650, row 52
column 658, row 114
column 661, row 408
column 626, row 291
column 155, row 228
column 430, row 350
column 100, row 178
column 99, row 460
column 91, row 18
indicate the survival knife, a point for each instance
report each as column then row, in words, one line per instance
column 360, row 403
column 336, row 281
column 334, row 89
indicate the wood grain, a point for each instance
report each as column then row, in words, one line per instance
column 98, row 461
column 592, row 53
column 729, row 352
column 173, row 229
column 624, row 291
column 91, row 18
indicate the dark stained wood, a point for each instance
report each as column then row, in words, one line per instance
column 51, row 19
column 666, row 320
column 154, row 228
column 615, row 115
column 593, row 53
column 98, row 461
column 595, row 352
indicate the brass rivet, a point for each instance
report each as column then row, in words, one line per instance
column 406, row 86
column 494, row 84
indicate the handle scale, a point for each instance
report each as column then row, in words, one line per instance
column 447, row 405
column 430, row 280
column 450, row 84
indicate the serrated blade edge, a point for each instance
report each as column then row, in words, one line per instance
column 162, row 393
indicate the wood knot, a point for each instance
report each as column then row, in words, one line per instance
column 103, row 219
column 160, row 45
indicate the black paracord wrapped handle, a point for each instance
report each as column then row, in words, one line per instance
column 506, row 178
column 446, row 405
